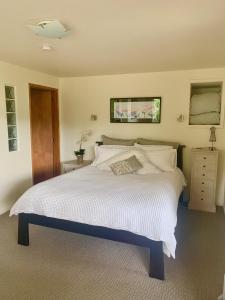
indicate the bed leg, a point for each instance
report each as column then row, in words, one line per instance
column 156, row 260
column 23, row 230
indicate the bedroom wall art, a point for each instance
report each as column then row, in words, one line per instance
column 135, row 110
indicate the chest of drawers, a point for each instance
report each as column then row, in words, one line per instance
column 203, row 179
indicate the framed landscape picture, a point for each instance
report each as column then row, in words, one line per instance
column 135, row 110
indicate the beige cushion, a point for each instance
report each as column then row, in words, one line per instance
column 114, row 141
column 153, row 142
column 126, row 166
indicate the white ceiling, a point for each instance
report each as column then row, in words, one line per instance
column 115, row 36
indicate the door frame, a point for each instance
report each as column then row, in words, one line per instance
column 55, row 126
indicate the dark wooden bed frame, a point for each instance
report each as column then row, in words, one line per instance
column 156, row 247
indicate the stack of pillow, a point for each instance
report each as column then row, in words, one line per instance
column 135, row 158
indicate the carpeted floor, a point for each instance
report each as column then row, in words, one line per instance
column 62, row 265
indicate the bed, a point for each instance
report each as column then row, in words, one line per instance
column 118, row 210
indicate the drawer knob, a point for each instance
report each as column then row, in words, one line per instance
column 203, row 174
column 202, row 191
column 202, row 199
column 204, row 166
column 202, row 182
column 204, row 157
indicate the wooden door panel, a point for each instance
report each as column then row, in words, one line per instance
column 42, row 135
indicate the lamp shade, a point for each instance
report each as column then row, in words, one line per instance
column 212, row 137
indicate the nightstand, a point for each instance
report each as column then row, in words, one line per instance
column 203, row 179
column 71, row 165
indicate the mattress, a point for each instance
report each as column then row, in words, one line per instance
column 142, row 204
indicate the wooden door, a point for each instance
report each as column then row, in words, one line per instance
column 44, row 133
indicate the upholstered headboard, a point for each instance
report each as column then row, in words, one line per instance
column 179, row 154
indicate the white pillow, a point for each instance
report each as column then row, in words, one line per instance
column 148, row 168
column 152, row 147
column 102, row 154
column 165, row 160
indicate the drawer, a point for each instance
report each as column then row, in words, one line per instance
column 202, row 200
column 198, row 174
column 205, row 159
column 210, row 175
column 204, row 165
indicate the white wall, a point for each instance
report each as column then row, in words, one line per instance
column 15, row 167
column 82, row 96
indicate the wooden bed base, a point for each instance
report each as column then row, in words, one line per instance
column 156, row 269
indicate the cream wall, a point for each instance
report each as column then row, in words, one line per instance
column 15, row 167
column 82, row 96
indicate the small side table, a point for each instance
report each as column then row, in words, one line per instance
column 71, row 165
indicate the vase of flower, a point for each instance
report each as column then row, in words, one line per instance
column 80, row 153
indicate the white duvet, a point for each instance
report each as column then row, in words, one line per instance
column 142, row 204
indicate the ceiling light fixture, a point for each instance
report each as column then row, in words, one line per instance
column 49, row 29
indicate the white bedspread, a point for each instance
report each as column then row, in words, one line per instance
column 142, row 204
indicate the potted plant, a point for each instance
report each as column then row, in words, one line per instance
column 80, row 153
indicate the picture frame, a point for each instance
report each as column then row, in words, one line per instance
column 135, row 110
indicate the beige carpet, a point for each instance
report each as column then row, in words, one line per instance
column 62, row 265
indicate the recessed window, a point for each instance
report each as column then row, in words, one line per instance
column 11, row 117
column 205, row 103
